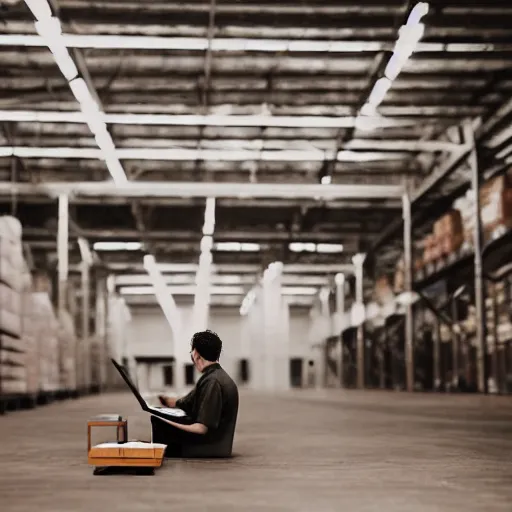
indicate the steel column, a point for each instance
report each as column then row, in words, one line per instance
column 455, row 343
column 479, row 284
column 62, row 252
column 340, row 309
column 409, row 320
column 358, row 261
column 86, row 315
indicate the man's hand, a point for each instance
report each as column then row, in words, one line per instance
column 167, row 401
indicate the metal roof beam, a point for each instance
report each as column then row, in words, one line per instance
column 191, row 236
column 255, row 121
column 219, row 280
column 233, row 301
column 231, row 268
column 386, row 204
column 146, row 189
column 134, row 42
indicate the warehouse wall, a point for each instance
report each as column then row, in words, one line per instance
column 150, row 334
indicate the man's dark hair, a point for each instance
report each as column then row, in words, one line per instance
column 208, row 345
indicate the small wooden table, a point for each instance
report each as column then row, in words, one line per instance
column 121, row 453
column 108, row 420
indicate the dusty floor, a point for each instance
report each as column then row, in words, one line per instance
column 306, row 451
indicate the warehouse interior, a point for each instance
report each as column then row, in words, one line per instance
column 326, row 185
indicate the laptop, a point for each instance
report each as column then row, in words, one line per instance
column 168, row 413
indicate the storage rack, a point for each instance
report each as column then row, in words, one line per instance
column 12, row 355
column 477, row 269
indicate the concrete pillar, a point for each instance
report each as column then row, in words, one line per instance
column 358, row 261
column 86, row 315
column 257, row 334
column 409, row 319
column 271, row 320
column 62, row 253
column 267, row 328
column 317, row 343
column 340, row 312
column 283, row 348
column 100, row 328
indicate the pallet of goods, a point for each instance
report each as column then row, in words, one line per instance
column 46, row 326
column 12, row 346
column 31, row 340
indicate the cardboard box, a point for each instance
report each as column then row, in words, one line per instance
column 451, row 243
column 496, row 205
column 452, row 223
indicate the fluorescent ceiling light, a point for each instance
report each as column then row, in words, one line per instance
column 409, row 38
column 329, row 248
column 302, row 247
column 312, row 247
column 418, row 11
column 379, row 91
column 117, row 246
column 193, row 119
column 367, row 110
column 85, row 251
column 206, row 244
column 236, row 247
column 40, row 9
column 209, row 217
column 83, row 96
column 247, row 303
column 61, row 152
column 163, row 297
column 50, row 30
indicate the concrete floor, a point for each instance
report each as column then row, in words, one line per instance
column 306, row 451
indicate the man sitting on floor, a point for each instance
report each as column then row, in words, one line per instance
column 212, row 405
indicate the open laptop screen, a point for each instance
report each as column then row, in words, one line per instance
column 131, row 385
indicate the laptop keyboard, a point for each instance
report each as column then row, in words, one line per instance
column 179, row 413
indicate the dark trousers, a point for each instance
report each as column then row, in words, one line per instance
column 175, row 439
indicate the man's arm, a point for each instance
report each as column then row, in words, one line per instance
column 195, row 428
column 184, row 403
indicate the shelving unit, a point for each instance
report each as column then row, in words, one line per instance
column 462, row 347
column 12, row 347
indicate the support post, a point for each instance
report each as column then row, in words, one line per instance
column 409, row 320
column 340, row 310
column 358, row 261
column 437, row 354
column 86, row 315
column 326, row 333
column 455, row 343
column 479, row 285
column 62, row 253
column 100, row 329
